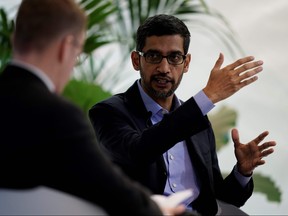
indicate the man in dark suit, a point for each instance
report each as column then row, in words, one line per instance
column 45, row 140
column 166, row 144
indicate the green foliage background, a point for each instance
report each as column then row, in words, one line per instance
column 84, row 94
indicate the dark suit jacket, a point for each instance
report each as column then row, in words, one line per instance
column 123, row 127
column 45, row 140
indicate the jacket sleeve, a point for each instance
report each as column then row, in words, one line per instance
column 129, row 139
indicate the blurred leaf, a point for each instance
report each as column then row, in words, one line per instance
column 6, row 29
column 222, row 121
column 84, row 94
column 94, row 42
column 264, row 184
column 98, row 27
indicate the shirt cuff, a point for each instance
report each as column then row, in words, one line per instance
column 203, row 102
column 243, row 180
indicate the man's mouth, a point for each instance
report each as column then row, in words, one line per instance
column 162, row 80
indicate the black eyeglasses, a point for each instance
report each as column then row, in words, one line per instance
column 156, row 58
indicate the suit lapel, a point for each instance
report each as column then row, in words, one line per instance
column 200, row 156
column 136, row 105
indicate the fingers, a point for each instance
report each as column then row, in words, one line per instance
column 235, row 136
column 263, row 154
column 257, row 140
column 240, row 62
column 244, row 68
column 267, row 152
column 248, row 66
column 224, row 82
column 249, row 76
column 258, row 163
column 267, row 145
column 178, row 210
column 219, row 62
column 261, row 137
column 246, row 82
column 266, row 149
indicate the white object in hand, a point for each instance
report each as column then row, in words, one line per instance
column 173, row 200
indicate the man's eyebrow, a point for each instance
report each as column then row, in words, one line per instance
column 158, row 51
column 153, row 51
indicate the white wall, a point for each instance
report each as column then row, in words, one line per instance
column 261, row 26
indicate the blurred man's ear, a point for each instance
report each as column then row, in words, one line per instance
column 65, row 48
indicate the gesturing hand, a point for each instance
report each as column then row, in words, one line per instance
column 223, row 83
column 251, row 155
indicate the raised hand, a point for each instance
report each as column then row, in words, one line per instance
column 251, row 155
column 225, row 82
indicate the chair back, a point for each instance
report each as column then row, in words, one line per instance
column 44, row 201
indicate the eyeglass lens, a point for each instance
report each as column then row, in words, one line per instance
column 155, row 58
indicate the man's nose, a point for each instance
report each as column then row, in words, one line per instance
column 164, row 65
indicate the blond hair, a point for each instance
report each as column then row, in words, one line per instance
column 38, row 22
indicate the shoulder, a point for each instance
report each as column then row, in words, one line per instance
column 65, row 108
column 113, row 106
column 113, row 101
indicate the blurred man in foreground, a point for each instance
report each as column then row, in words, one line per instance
column 45, row 140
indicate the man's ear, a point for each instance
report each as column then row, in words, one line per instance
column 187, row 63
column 64, row 50
column 135, row 58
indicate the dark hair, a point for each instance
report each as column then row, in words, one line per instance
column 160, row 25
column 38, row 22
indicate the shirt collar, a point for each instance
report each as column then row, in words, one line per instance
column 150, row 104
